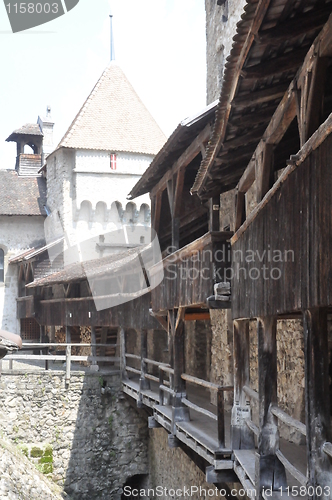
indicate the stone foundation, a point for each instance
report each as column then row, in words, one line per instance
column 97, row 441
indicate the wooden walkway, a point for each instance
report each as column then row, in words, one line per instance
column 200, row 434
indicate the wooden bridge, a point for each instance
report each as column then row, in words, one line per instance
column 192, row 421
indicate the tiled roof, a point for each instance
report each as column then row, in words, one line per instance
column 21, row 195
column 176, row 144
column 33, row 252
column 113, row 118
column 28, row 129
column 92, row 268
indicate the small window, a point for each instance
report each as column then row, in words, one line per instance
column 2, row 266
column 113, row 161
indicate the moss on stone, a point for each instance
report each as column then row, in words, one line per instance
column 36, row 452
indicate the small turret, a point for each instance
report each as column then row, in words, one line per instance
column 28, row 164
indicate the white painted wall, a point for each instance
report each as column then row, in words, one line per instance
column 18, row 233
column 91, row 201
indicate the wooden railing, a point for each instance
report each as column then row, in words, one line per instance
column 67, row 357
column 283, row 417
column 167, row 393
column 220, row 416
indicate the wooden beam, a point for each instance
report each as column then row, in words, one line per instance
column 264, row 172
column 178, row 191
column 296, row 26
column 243, row 139
column 315, row 100
column 262, row 96
column 183, row 161
column 144, row 383
column 280, row 121
column 240, row 209
column 311, row 145
column 248, row 177
column 270, row 472
column 280, row 64
column 214, row 212
column 197, row 316
column 156, row 211
column 241, row 436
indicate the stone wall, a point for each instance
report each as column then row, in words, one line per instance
column 221, row 23
column 222, row 352
column 172, row 469
column 198, row 337
column 20, row 479
column 290, row 359
column 97, row 441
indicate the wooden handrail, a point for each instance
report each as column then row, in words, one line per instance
column 166, row 389
column 133, row 370
column 155, row 363
column 301, row 478
column 327, row 448
column 250, row 393
column 197, row 408
column 59, row 357
column 288, row 420
column 205, row 383
column 166, row 369
column 43, row 345
column 133, row 356
column 253, row 427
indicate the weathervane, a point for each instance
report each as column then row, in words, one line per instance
column 112, row 42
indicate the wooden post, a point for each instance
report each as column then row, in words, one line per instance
column 318, row 420
column 264, row 171
column 144, row 383
column 161, row 392
column 242, row 436
column 214, row 211
column 180, row 413
column 270, row 473
column 240, row 209
column 68, row 335
column 221, row 419
column 123, row 354
column 68, row 363
column 93, row 344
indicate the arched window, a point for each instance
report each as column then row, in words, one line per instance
column 2, row 266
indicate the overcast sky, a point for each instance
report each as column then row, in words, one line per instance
column 160, row 45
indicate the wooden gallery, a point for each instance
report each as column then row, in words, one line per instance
column 231, row 351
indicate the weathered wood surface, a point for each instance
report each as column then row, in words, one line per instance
column 191, row 272
column 270, row 472
column 318, row 419
column 200, row 433
column 294, row 226
column 25, row 307
column 242, row 436
column 82, row 311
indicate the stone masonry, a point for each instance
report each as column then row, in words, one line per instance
column 95, row 441
column 221, row 21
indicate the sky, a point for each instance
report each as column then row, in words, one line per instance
column 159, row 44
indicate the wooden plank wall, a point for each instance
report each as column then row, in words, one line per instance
column 190, row 273
column 297, row 218
column 82, row 312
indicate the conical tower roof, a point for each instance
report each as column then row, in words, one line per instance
column 113, row 118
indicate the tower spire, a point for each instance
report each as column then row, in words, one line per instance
column 112, row 41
